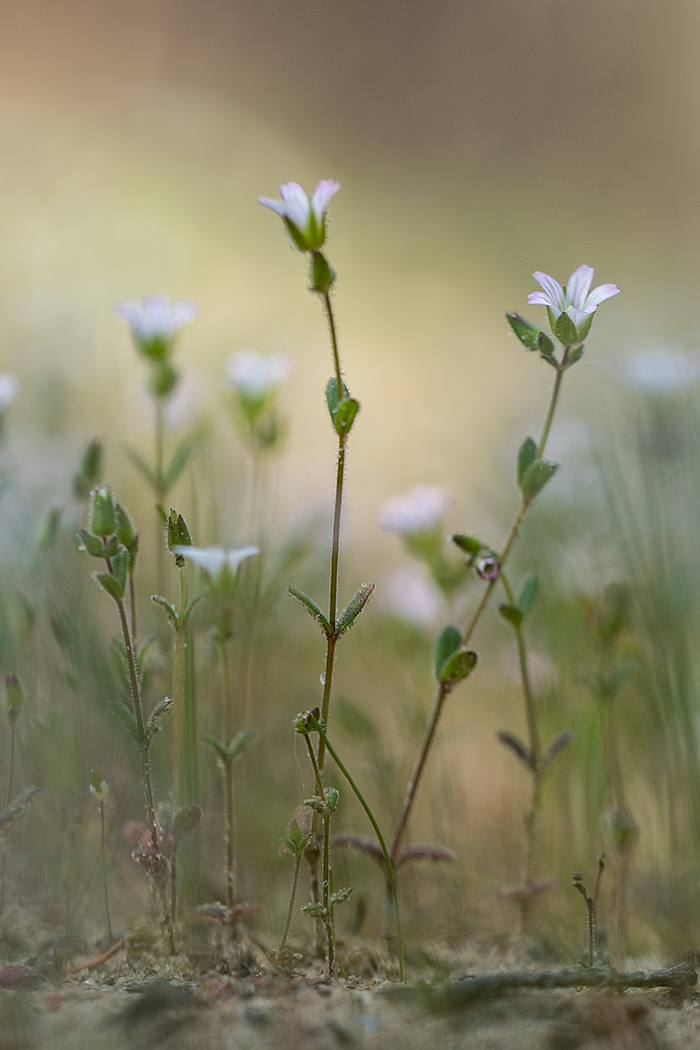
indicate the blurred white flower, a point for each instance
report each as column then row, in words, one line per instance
column 575, row 299
column 418, row 510
column 9, row 388
column 410, row 594
column 304, row 215
column 661, row 370
column 254, row 375
column 213, row 560
column 155, row 321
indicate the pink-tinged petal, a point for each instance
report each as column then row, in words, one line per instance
column 553, row 290
column 296, row 204
column 129, row 312
column 599, row 295
column 277, row 206
column 183, row 312
column 578, row 316
column 324, row 192
column 578, row 286
column 538, row 299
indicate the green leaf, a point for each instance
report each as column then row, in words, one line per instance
column 313, row 609
column 584, row 328
column 469, row 544
column 141, row 465
column 156, row 717
column 526, row 332
column 160, row 600
column 557, row 745
column 575, row 354
column 511, row 614
column 546, row 348
column 457, row 667
column 536, row 477
column 240, row 742
column 219, row 748
column 178, row 463
column 332, row 399
column 120, row 567
column 143, row 652
column 448, row 642
column 345, row 415
column 314, row 909
column 341, row 895
column 125, row 716
column 527, row 454
column 515, row 744
column 110, row 585
column 11, row 814
column 185, row 820
column 528, row 593
column 565, row 330
column 194, row 600
column 353, row 609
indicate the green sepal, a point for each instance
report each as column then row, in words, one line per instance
column 110, row 584
column 120, row 563
column 155, row 720
column 101, row 513
column 527, row 593
column 584, row 328
column 332, row 399
column 177, row 464
column 536, row 477
column 471, row 545
column 565, row 330
column 527, row 454
column 575, row 354
column 91, row 544
column 546, row 348
column 184, row 821
column 353, row 609
column 527, row 332
column 297, row 236
column 177, row 534
column 515, row 744
column 322, row 274
column 457, row 667
column 511, row 614
column 313, row 609
column 448, row 642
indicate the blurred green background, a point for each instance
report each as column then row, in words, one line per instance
column 475, row 142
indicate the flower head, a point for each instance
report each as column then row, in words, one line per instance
column 255, row 375
column 419, row 510
column 215, row 560
column 575, row 298
column 304, row 215
column 155, row 322
column 662, row 370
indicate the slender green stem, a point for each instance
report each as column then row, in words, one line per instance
column 104, row 871
column 160, row 492
column 443, row 691
column 530, row 708
column 178, row 708
column 292, row 898
column 380, row 838
column 11, row 768
column 334, row 343
column 325, row 901
column 229, row 816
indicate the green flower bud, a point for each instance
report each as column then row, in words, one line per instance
column 101, row 517
column 14, row 696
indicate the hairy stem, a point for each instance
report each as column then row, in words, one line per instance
column 292, row 898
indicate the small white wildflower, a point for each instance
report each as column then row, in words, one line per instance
column 155, row 322
column 418, row 510
column 254, row 375
column 304, row 215
column 575, row 299
column 410, row 594
column 213, row 560
column 661, row 370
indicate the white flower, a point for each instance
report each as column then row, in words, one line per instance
column 9, row 388
column 155, row 322
column 254, row 375
column 213, row 560
column 662, row 370
column 419, row 510
column 410, row 594
column 575, row 299
column 304, row 215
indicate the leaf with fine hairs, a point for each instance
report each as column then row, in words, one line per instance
column 425, row 851
column 515, row 744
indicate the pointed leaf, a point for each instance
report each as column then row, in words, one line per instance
column 527, row 593
column 557, row 745
column 332, row 398
column 141, row 465
column 159, row 600
column 219, row 748
column 11, row 814
column 178, row 462
column 575, row 354
column 340, row 896
column 313, row 609
column 194, row 600
column 469, row 544
column 156, row 717
column 514, row 744
column 240, row 741
column 536, row 477
column 546, row 348
column 185, row 820
column 448, row 642
column 526, row 332
column 109, row 584
column 354, row 607
column 565, row 330
column 527, row 454
column 345, row 415
column 143, row 653
column 457, row 667
column 511, row 614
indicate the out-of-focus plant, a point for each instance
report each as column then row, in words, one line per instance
column 14, row 805
column 100, row 789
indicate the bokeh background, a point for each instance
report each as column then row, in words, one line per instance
column 475, row 142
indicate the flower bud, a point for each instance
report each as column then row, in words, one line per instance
column 101, row 518
column 14, row 696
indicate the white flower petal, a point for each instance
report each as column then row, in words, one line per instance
column 254, row 375
column 213, row 559
column 234, row 558
column 578, row 286
column 156, row 316
column 277, row 206
column 538, row 298
column 324, row 192
column 599, row 295
column 553, row 290
column 418, row 510
column 296, row 204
